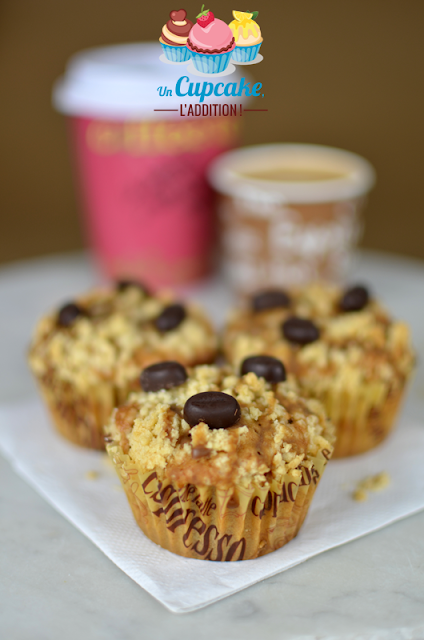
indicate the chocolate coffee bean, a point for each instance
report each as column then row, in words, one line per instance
column 266, row 367
column 163, row 375
column 354, row 299
column 270, row 300
column 170, row 317
column 218, row 410
column 300, row 330
column 123, row 285
column 69, row 313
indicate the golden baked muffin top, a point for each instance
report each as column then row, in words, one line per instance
column 324, row 336
column 112, row 334
column 213, row 428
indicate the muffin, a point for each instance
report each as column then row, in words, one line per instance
column 247, row 36
column 87, row 356
column 174, row 36
column 342, row 347
column 211, row 43
column 217, row 466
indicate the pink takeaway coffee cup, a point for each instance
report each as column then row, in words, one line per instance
column 148, row 207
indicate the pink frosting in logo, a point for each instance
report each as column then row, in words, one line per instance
column 216, row 36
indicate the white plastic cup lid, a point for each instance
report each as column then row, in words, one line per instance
column 231, row 173
column 121, row 82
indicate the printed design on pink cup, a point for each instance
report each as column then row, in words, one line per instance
column 149, row 204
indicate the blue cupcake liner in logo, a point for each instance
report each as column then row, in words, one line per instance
column 176, row 54
column 211, row 63
column 246, row 54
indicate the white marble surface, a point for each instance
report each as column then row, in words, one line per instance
column 54, row 582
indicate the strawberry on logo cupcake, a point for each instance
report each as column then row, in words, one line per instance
column 211, row 43
column 174, row 36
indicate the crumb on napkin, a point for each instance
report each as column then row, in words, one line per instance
column 371, row 483
column 91, row 475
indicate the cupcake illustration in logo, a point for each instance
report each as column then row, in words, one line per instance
column 211, row 43
column 247, row 36
column 174, row 36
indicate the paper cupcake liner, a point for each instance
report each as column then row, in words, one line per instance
column 79, row 417
column 363, row 418
column 216, row 524
column 246, row 54
column 211, row 63
column 177, row 53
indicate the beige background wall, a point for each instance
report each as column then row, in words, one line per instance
column 344, row 73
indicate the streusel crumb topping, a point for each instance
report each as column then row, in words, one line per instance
column 115, row 337
column 353, row 348
column 276, row 434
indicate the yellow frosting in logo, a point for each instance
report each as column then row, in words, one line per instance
column 245, row 30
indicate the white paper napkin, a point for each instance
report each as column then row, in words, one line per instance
column 83, row 486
